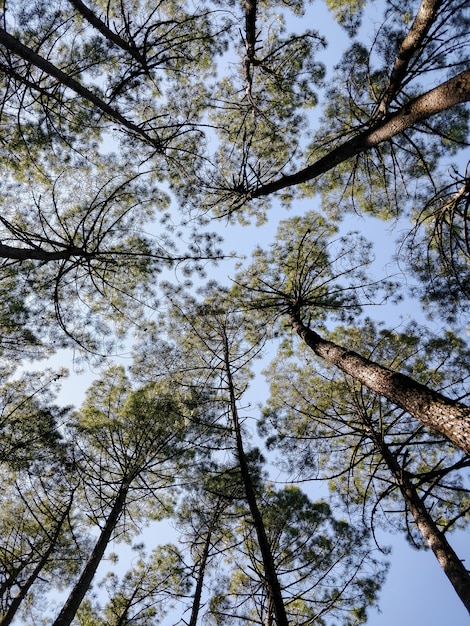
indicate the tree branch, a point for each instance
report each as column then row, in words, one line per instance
column 29, row 55
column 454, row 91
column 423, row 21
column 110, row 35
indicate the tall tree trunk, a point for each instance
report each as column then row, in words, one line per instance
column 24, row 589
column 454, row 91
column 273, row 590
column 83, row 584
column 435, row 411
column 436, row 540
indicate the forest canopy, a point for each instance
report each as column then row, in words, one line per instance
column 250, row 220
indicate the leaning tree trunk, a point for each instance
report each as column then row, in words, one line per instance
column 435, row 411
column 445, row 96
column 77, row 594
column 453, row 567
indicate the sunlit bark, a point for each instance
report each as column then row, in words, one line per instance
column 448, row 94
column 433, row 410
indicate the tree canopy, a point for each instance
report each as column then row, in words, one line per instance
column 186, row 203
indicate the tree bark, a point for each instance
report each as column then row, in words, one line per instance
column 423, row 21
column 448, row 94
column 83, row 584
column 453, row 567
column 432, row 409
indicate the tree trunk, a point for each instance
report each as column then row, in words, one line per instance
column 24, row 589
column 250, row 44
column 433, row 410
column 273, row 591
column 83, row 584
column 436, row 540
column 425, row 18
column 200, row 579
column 448, row 94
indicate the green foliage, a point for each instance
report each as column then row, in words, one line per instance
column 144, row 594
column 439, row 251
column 324, row 565
column 42, row 544
column 335, row 432
column 309, row 268
column 29, row 421
column 132, row 439
column 18, row 331
column 386, row 179
column 128, row 127
column 347, row 13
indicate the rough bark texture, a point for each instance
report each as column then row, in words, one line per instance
column 433, row 410
column 423, row 21
column 453, row 567
column 452, row 92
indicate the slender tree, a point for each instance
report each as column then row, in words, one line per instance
column 227, row 343
column 130, row 444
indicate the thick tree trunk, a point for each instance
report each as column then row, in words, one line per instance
column 273, row 591
column 436, row 540
column 433, row 410
column 423, row 21
column 83, row 584
column 452, row 92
